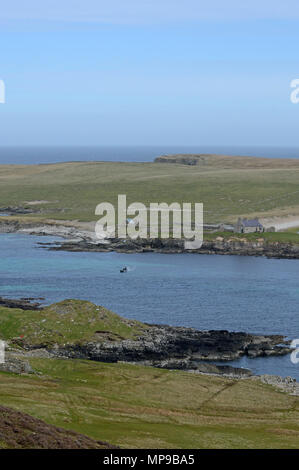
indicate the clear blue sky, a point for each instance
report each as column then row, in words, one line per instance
column 154, row 72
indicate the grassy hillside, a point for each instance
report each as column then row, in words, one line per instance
column 143, row 407
column 69, row 321
column 135, row 406
column 228, row 186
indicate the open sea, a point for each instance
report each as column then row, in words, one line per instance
column 33, row 155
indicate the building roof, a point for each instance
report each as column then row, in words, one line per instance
column 251, row 223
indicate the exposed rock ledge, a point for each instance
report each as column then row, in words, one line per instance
column 285, row 384
column 24, row 304
column 179, row 348
column 78, row 239
column 232, row 246
column 107, row 337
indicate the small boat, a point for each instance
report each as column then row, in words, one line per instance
column 124, row 270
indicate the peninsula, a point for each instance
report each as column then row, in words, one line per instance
column 60, row 199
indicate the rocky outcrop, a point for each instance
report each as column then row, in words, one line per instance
column 76, row 239
column 16, row 364
column 245, row 247
column 107, row 337
column 179, row 348
column 182, row 159
column 121, row 246
column 17, row 210
column 23, row 304
column 286, row 384
column 218, row 246
column 199, row 367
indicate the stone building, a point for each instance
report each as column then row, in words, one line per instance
column 248, row 226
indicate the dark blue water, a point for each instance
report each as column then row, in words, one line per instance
column 34, row 155
column 236, row 293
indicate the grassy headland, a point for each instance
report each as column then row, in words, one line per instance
column 69, row 321
column 228, row 186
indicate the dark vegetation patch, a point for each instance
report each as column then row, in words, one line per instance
column 21, row 431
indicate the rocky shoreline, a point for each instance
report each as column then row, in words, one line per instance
column 161, row 346
column 28, row 303
column 233, row 246
column 74, row 238
column 179, row 348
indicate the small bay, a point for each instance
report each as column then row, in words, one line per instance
column 236, row 293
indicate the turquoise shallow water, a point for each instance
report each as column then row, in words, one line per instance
column 250, row 294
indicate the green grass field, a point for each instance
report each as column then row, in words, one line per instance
column 228, row 187
column 143, row 407
column 69, row 321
